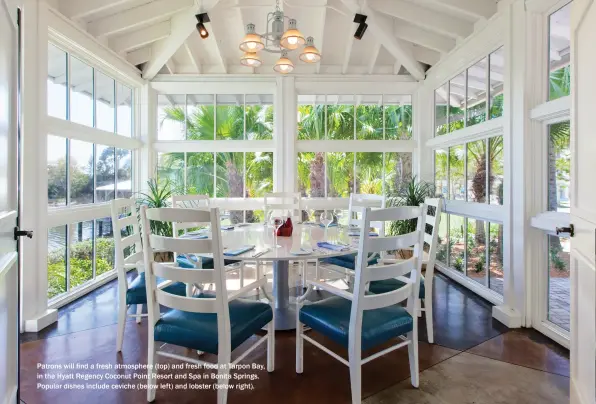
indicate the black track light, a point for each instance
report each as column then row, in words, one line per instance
column 202, row 18
column 362, row 26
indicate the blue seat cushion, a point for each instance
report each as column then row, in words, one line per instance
column 388, row 285
column 348, row 261
column 137, row 294
column 331, row 317
column 206, row 263
column 199, row 330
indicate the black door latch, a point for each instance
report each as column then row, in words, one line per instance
column 20, row 233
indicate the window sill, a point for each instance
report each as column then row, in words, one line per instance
column 483, row 130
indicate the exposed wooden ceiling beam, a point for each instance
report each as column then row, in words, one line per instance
column 319, row 39
column 373, row 60
column 75, row 9
column 396, row 67
column 190, row 46
column 171, row 66
column 140, row 38
column 348, row 49
column 142, row 55
column 420, row 36
column 425, row 55
column 217, row 46
column 472, row 9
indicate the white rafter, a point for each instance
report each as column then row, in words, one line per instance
column 136, row 57
column 138, row 17
column 137, row 39
column 320, row 34
column 74, row 9
column 218, row 51
column 190, row 46
column 420, row 36
column 396, row 67
column 473, row 9
column 424, row 17
column 171, row 66
column 381, row 27
column 373, row 60
column 348, row 48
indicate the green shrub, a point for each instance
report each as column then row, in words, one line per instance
column 459, row 264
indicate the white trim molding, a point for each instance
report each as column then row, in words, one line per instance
column 476, row 210
column 356, row 146
column 210, row 146
column 474, row 286
column 490, row 128
column 508, row 316
column 553, row 111
column 41, row 321
column 214, row 86
column 73, row 130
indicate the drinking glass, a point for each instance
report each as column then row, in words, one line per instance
column 326, row 219
column 276, row 219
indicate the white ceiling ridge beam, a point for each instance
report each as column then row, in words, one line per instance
column 75, row 9
column 140, row 38
column 474, row 9
column 348, row 50
column 138, row 17
column 373, row 60
column 382, row 29
column 421, row 36
column 191, row 51
column 138, row 56
column 425, row 18
column 320, row 38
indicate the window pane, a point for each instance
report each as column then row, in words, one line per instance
column 559, row 167
column 456, row 242
column 559, row 53
column 124, row 100
column 398, row 117
column 497, row 69
column 477, row 93
column 311, row 174
column 477, row 171
column 199, row 174
column 255, row 216
column 81, row 253
column 104, row 102
column 230, row 175
column 229, row 117
column 104, row 246
column 558, row 281
column 81, row 92
column 441, row 172
column 56, row 261
column 457, row 97
column 259, row 174
column 369, row 118
column 81, row 172
column 441, row 105
column 496, row 170
column 259, row 117
column 124, row 175
column 105, row 186
column 369, row 173
column 170, row 170
column 496, row 257
column 311, row 117
column 457, row 188
column 56, row 82
column 340, row 174
column 340, row 117
column 476, row 251
column 398, row 171
column 56, row 171
column 171, row 117
column 200, row 111
column 443, row 240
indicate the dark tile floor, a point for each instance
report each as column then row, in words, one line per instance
column 467, row 341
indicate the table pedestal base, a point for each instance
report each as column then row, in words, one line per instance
column 285, row 312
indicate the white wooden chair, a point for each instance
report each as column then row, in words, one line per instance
column 428, row 260
column 373, row 318
column 214, row 323
column 127, row 239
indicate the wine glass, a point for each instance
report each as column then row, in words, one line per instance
column 326, row 219
column 276, row 219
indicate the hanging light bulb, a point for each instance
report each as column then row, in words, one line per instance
column 310, row 54
column 292, row 38
column 250, row 59
column 284, row 65
column 251, row 42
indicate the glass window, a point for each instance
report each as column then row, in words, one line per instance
column 81, row 253
column 457, row 187
column 441, row 110
column 456, row 243
column 81, row 92
column 443, row 240
column 340, row 117
column 105, row 180
column 398, row 117
column 369, row 117
column 124, row 174
column 495, row 150
column 559, row 35
column 104, row 246
column 495, row 257
column 441, row 173
column 229, row 117
column 104, row 102
column 558, row 281
column 199, row 174
column 124, row 119
column 369, row 173
column 311, row 117
column 457, row 98
column 230, row 175
column 57, row 170
column 476, row 85
column 398, row 171
column 259, row 174
column 200, row 111
column 476, row 183
column 170, row 169
column 171, row 117
column 56, row 261
column 559, row 167
column 57, row 78
column 259, row 117
column 311, row 174
column 476, row 251
column 81, row 172
column 497, row 71
column 340, row 174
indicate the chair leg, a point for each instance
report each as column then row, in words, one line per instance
column 224, row 360
column 419, row 307
column 299, row 342
column 356, row 379
column 151, row 371
column 428, row 311
column 139, row 312
column 241, row 274
column 122, row 310
column 413, row 356
column 271, row 345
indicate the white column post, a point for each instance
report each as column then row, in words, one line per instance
column 284, row 164
column 147, row 167
column 423, row 110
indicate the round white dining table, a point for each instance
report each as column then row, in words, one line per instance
column 305, row 236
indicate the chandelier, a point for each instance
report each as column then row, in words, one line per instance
column 277, row 40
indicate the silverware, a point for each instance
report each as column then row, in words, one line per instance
column 257, row 255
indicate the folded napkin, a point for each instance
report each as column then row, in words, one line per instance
column 239, row 250
column 331, row 225
column 229, row 227
column 357, row 234
column 195, row 236
column 332, row 246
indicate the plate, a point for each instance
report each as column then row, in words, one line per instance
column 305, row 251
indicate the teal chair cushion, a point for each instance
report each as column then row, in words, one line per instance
column 206, row 263
column 331, row 317
column 199, row 330
column 348, row 261
column 137, row 294
column 389, row 285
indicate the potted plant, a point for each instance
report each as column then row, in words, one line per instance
column 158, row 196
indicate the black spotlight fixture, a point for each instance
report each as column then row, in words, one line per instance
column 202, row 18
column 362, row 26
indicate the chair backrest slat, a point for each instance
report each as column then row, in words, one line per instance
column 181, row 245
column 358, row 202
column 169, row 270
column 283, row 201
column 127, row 221
column 189, row 202
column 189, row 304
column 378, row 244
column 372, row 302
column 382, row 272
column 130, row 240
column 433, row 239
column 127, row 238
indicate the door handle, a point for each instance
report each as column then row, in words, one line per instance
column 20, row 233
column 570, row 230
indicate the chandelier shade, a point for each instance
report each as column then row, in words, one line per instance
column 250, row 59
column 284, row 65
column 252, row 42
column 310, row 54
column 292, row 38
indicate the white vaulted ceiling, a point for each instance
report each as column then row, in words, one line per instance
column 159, row 36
